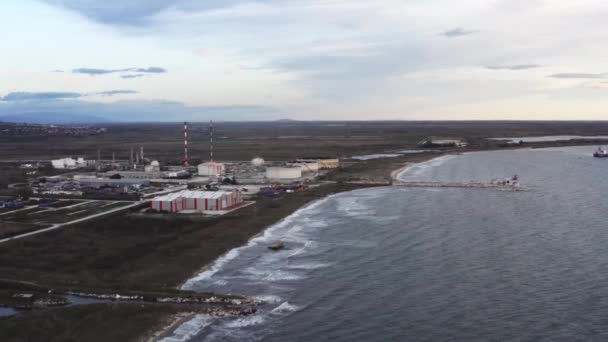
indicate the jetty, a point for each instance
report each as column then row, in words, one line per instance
column 472, row 184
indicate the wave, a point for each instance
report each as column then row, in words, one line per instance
column 267, row 299
column 285, row 308
column 420, row 168
column 271, row 275
column 309, row 266
column 266, row 236
column 245, row 322
column 187, row 330
column 215, row 267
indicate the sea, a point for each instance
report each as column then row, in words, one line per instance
column 411, row 264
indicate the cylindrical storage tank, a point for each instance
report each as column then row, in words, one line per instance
column 257, row 162
column 284, row 172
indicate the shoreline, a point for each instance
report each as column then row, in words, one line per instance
column 167, row 331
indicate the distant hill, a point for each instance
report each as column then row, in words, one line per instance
column 54, row 118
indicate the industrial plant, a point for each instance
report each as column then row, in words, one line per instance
column 209, row 188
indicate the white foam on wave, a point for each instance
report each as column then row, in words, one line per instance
column 189, row 329
column 220, row 282
column 272, row 299
column 215, row 267
column 308, row 266
column 271, row 275
column 245, row 322
column 285, row 308
column 356, row 206
column 267, row 235
column 419, row 169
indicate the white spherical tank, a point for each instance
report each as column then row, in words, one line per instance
column 257, row 162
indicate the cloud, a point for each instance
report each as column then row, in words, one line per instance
column 42, row 96
column 514, row 67
column 576, row 75
column 151, row 70
column 458, row 32
column 116, row 92
column 55, row 96
column 57, row 70
column 95, row 71
column 129, row 76
column 92, row 71
column 133, row 12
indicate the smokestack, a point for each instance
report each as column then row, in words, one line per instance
column 142, row 155
column 211, row 140
column 186, row 156
column 131, row 159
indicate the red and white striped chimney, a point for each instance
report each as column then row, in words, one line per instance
column 186, row 156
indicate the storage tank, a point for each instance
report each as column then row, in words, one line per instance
column 153, row 167
column 257, row 162
column 284, row 172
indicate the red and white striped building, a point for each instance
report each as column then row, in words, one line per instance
column 197, row 201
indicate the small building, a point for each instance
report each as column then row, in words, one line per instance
column 211, row 169
column 153, row 167
column 284, row 172
column 68, row 163
column 442, row 142
column 324, row 163
column 307, row 166
column 200, row 201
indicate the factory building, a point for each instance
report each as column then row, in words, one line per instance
column 153, row 167
column 135, row 174
column 284, row 172
column 104, row 182
column 324, row 163
column 68, row 163
column 442, row 142
column 306, row 166
column 197, row 201
column 211, row 169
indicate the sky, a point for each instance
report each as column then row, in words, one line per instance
column 173, row 60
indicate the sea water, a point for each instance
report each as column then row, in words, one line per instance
column 410, row 264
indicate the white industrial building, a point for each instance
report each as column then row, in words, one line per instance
column 153, row 167
column 307, row 166
column 324, row 163
column 197, row 201
column 68, row 163
column 211, row 169
column 284, row 172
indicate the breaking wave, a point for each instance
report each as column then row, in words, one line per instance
column 285, row 308
column 265, row 237
column 245, row 322
column 189, row 329
column 418, row 169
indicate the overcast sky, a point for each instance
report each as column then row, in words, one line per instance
column 306, row 59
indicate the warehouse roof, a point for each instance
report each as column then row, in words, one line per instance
column 193, row 194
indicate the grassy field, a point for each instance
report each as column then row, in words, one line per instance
column 135, row 251
column 276, row 140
